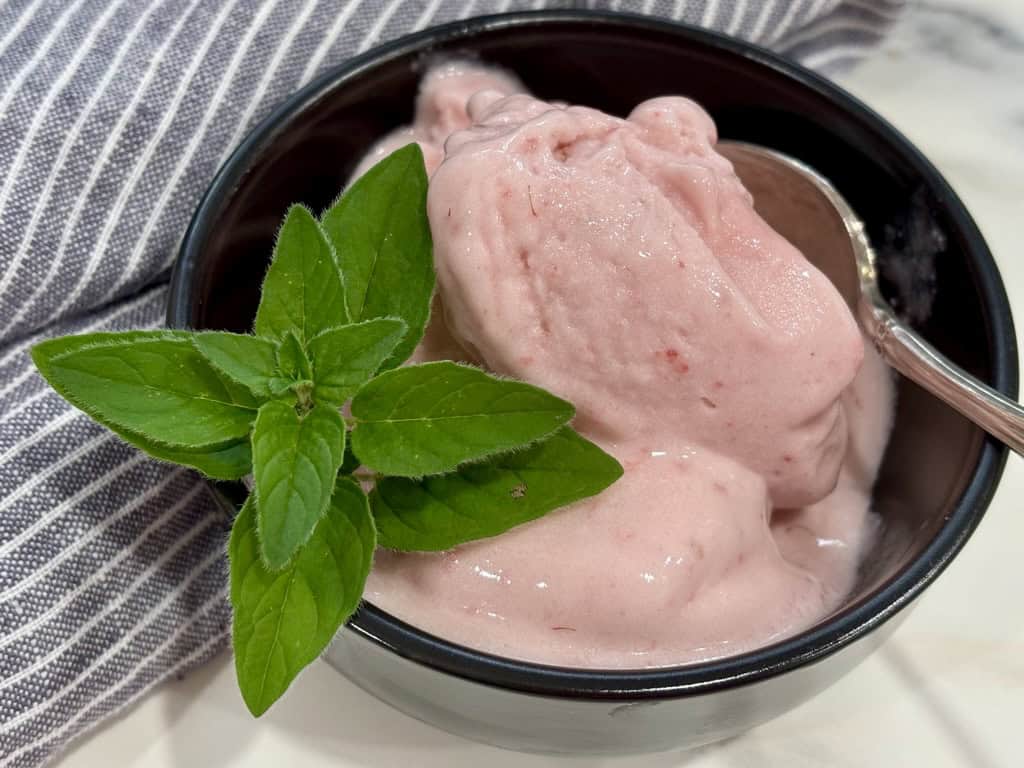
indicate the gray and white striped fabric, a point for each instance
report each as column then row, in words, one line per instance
column 114, row 116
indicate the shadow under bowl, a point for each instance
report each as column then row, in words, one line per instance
column 939, row 472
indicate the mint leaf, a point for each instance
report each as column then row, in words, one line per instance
column 153, row 384
column 229, row 462
column 346, row 357
column 249, row 360
column 303, row 291
column 381, row 235
column 61, row 345
column 481, row 500
column 283, row 620
column 427, row 419
column 292, row 361
column 295, row 460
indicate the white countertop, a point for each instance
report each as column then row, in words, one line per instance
column 947, row 690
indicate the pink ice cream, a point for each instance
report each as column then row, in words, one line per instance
column 621, row 265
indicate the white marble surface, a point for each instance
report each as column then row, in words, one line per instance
column 947, row 690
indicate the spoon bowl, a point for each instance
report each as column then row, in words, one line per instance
column 804, row 207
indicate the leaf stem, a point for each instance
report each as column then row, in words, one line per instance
column 304, row 394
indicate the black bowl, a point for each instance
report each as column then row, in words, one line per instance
column 939, row 472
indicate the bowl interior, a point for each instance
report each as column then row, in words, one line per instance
column 938, row 471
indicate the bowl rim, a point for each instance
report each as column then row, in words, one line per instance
column 812, row 645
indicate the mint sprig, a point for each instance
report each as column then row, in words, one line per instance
column 453, row 453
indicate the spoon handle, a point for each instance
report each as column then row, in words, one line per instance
column 920, row 362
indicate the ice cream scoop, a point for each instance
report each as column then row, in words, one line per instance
column 620, row 264
column 805, row 208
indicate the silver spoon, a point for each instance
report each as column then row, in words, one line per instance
column 806, row 209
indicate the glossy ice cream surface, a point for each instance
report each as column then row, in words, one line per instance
column 620, row 264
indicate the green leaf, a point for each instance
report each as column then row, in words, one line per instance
column 346, row 357
column 229, row 462
column 284, row 620
column 249, row 360
column 153, row 384
column 481, row 500
column 427, row 419
column 292, row 361
column 381, row 235
column 303, row 291
column 295, row 460
column 61, row 345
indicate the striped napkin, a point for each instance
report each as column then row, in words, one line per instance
column 114, row 116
